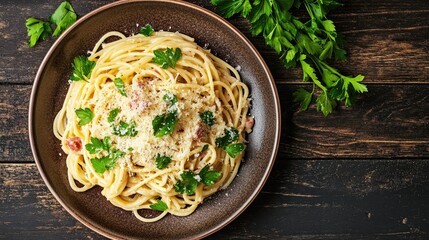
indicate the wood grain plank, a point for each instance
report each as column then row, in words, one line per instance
column 388, row 122
column 303, row 199
column 363, row 199
column 19, row 62
column 14, row 142
column 383, row 45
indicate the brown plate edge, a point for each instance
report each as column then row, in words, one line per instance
column 101, row 230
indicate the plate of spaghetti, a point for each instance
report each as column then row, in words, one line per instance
column 154, row 119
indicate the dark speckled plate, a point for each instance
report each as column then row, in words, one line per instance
column 50, row 87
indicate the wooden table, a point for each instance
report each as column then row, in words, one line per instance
column 362, row 172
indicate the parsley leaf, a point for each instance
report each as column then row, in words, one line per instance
column 115, row 154
column 82, row 68
column 235, row 149
column 190, row 180
column 125, row 129
column 208, row 118
column 230, row 136
column 164, row 124
column 325, row 103
column 228, row 8
column 162, row 161
column 209, row 177
column 102, row 164
column 167, row 58
column 159, row 206
column 303, row 97
column 37, row 29
column 112, row 115
column 98, row 145
column 120, row 86
column 171, row 99
column 146, row 30
column 64, row 16
column 85, row 115
column 308, row 44
column 188, row 184
column 107, row 162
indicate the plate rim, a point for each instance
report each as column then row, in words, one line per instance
column 238, row 33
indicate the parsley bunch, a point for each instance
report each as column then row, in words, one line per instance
column 309, row 44
column 63, row 17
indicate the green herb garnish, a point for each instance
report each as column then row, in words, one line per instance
column 162, row 161
column 85, row 115
column 112, row 115
column 64, row 16
column 164, row 124
column 234, row 149
column 82, row 68
column 147, row 30
column 230, row 136
column 107, row 162
column 208, row 118
column 190, row 180
column 209, row 177
column 171, row 99
column 125, row 129
column 167, row 58
column 188, row 184
column 159, row 206
column 120, row 86
column 309, row 44
column 37, row 29
column 98, row 145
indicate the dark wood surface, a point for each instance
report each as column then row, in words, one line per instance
column 361, row 173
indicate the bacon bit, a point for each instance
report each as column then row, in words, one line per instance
column 136, row 103
column 203, row 154
column 75, row 144
column 250, row 121
column 201, row 132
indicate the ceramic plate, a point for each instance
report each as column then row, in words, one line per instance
column 208, row 29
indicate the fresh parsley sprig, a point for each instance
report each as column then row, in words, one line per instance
column 165, row 123
column 37, row 29
column 208, row 118
column 98, row 145
column 125, row 129
column 106, row 162
column 162, row 161
column 167, row 58
column 85, row 115
column 226, row 142
column 120, row 85
column 309, row 44
column 112, row 115
column 63, row 17
column 159, row 206
column 147, row 30
column 82, row 68
column 189, row 180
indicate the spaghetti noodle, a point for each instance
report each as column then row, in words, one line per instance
column 162, row 138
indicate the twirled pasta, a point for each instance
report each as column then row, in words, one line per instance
column 200, row 81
